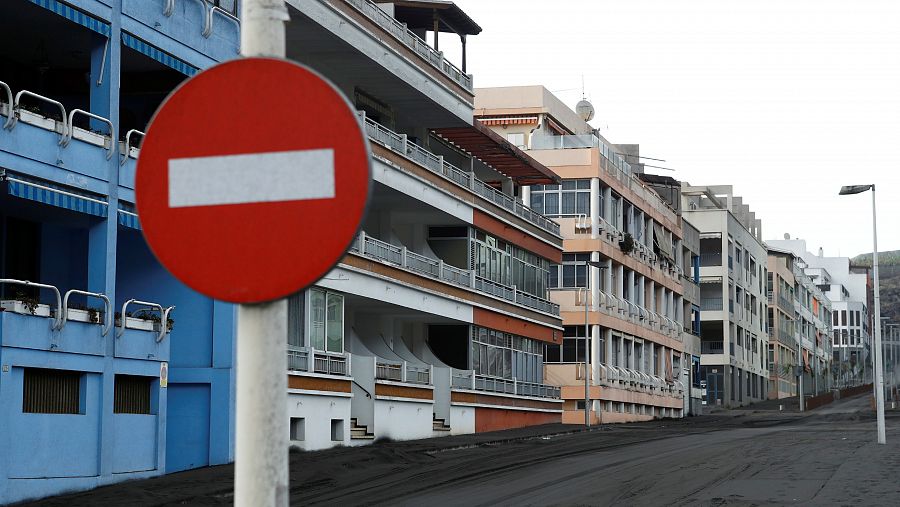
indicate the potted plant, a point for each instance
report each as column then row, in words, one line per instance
column 82, row 313
column 627, row 243
column 155, row 319
column 26, row 305
column 135, row 320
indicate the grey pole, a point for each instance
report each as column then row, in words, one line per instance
column 587, row 348
column 261, row 436
column 879, row 377
column 800, row 374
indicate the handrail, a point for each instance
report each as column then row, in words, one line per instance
column 163, row 313
column 107, row 308
column 46, row 99
column 71, row 129
column 207, row 28
column 9, row 100
column 127, row 152
column 26, row 283
column 368, row 394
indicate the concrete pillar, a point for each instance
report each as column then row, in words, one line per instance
column 620, row 281
column 526, row 195
column 595, row 282
column 607, row 205
column 631, row 294
column 595, row 207
column 596, row 352
column 507, row 186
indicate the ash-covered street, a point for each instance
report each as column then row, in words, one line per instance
column 742, row 457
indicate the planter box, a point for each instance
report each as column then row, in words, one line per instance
column 76, row 315
column 139, row 324
column 14, row 306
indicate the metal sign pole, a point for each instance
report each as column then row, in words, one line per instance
column 261, row 436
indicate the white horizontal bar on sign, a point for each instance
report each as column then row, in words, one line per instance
column 251, row 178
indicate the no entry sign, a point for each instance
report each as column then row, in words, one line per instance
column 252, row 180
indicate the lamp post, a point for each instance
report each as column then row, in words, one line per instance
column 587, row 334
column 879, row 378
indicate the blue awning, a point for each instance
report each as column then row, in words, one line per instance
column 127, row 217
column 158, row 55
column 72, row 14
column 46, row 194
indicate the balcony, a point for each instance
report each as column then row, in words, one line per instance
column 711, row 305
column 325, row 363
column 621, row 308
column 412, row 41
column 436, row 164
column 470, row 380
column 712, row 347
column 711, row 259
column 432, row 268
column 402, row 372
column 62, row 326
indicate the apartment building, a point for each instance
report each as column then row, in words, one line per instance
column 847, row 289
column 799, row 323
column 110, row 369
column 621, row 282
column 733, row 272
column 433, row 324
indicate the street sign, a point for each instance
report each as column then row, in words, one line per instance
column 253, row 180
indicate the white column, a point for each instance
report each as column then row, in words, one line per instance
column 595, row 207
column 595, row 282
column 526, row 195
column 596, row 343
column 607, row 205
column 261, row 426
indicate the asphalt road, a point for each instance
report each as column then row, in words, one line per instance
column 826, row 457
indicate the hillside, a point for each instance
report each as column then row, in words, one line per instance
column 889, row 275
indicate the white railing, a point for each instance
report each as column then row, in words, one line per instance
column 436, row 163
column 402, row 372
column 412, row 41
column 330, row 363
column 435, row 268
column 463, row 379
column 298, row 360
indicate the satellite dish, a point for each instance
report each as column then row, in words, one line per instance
column 787, row 236
column 585, row 110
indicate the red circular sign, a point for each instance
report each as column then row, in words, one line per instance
column 252, row 180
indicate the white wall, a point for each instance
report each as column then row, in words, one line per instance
column 462, row 420
column 318, row 411
column 403, row 419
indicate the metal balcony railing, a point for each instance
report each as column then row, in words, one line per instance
column 412, row 41
column 471, row 380
column 330, row 363
column 711, row 304
column 436, row 164
column 433, row 268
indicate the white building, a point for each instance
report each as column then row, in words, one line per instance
column 733, row 306
column 848, row 292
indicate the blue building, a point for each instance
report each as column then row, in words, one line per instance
column 94, row 386
column 437, row 321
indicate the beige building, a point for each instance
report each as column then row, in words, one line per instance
column 637, row 315
column 782, row 352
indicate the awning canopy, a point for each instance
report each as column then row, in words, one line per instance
column 128, row 217
column 159, row 55
column 509, row 120
column 420, row 14
column 661, row 242
column 495, row 151
column 47, row 193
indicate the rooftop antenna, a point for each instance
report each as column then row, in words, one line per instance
column 584, row 108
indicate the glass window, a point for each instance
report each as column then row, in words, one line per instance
column 317, row 319
column 335, row 324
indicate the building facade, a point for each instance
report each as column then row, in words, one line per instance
column 626, row 309
column 110, row 369
column 733, row 274
column 847, row 288
column 433, row 324
column 799, row 324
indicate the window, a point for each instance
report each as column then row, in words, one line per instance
column 298, row 429
column 51, row 391
column 573, row 197
column 326, row 324
column 503, row 355
column 337, row 430
column 132, row 394
column 517, row 139
column 507, row 264
column 571, row 273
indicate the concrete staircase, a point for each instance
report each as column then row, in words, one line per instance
column 440, row 424
column 358, row 432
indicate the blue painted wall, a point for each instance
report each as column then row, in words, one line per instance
column 192, row 420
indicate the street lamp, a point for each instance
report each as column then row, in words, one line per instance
column 587, row 348
column 879, row 378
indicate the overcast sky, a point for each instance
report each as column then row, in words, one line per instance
column 786, row 100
